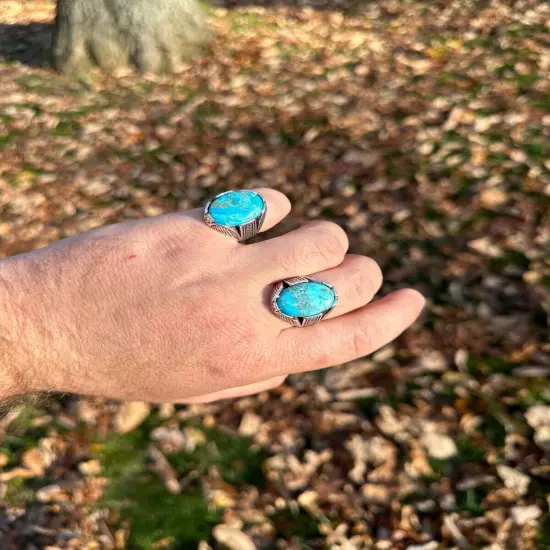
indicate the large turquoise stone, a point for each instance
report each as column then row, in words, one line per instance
column 236, row 208
column 306, row 299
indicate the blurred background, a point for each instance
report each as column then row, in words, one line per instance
column 422, row 128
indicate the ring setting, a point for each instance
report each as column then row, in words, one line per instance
column 238, row 214
column 302, row 301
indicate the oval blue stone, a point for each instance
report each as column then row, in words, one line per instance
column 306, row 299
column 236, row 208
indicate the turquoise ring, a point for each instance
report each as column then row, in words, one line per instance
column 239, row 214
column 302, row 301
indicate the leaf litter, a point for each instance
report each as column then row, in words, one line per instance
column 423, row 129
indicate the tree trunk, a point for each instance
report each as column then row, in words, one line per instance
column 148, row 35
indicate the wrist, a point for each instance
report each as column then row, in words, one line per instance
column 21, row 332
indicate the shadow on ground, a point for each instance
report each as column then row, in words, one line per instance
column 334, row 5
column 29, row 44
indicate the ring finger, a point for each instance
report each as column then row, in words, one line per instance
column 356, row 280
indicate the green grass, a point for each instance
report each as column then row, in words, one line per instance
column 490, row 364
column 19, row 493
column 243, row 22
column 543, row 538
column 470, row 501
column 289, row 138
column 541, row 103
column 143, row 501
column 156, row 514
column 140, row 498
column 5, row 140
column 469, row 452
column 295, row 524
column 208, row 108
column 231, row 454
column 34, row 82
column 66, row 128
column 368, row 406
column 22, row 435
column 207, row 8
column 494, row 429
column 536, row 393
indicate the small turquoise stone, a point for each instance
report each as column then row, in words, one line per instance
column 306, row 299
column 236, row 208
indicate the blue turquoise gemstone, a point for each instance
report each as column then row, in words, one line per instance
column 236, row 208
column 306, row 299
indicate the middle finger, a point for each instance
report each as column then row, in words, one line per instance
column 314, row 247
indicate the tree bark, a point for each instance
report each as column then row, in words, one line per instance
column 148, row 35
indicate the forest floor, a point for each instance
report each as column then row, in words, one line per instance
column 423, row 129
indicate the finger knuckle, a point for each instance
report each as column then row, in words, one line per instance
column 359, row 287
column 172, row 236
column 330, row 242
column 364, row 338
column 365, row 279
column 293, row 258
column 172, row 246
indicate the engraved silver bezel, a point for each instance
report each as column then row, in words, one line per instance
column 239, row 232
column 298, row 321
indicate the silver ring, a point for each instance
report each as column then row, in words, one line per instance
column 302, row 301
column 239, row 214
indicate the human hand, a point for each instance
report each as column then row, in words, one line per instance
column 165, row 309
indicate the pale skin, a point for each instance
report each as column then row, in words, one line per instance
column 166, row 309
